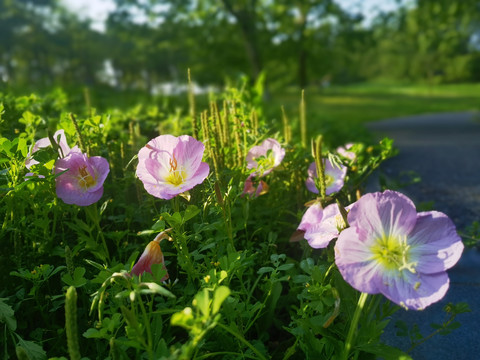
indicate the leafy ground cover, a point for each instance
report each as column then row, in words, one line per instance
column 156, row 232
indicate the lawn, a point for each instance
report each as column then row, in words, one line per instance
column 341, row 111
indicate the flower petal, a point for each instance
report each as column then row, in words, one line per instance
column 310, row 182
column 71, row 195
column 384, row 214
column 68, row 186
column 353, row 258
column 151, row 255
column 200, row 175
column 100, row 169
column 262, row 150
column 338, row 175
column 312, row 216
column 415, row 291
column 435, row 242
column 322, row 232
column 189, row 153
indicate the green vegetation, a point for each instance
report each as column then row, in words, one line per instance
column 242, row 282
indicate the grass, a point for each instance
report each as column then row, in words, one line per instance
column 372, row 102
column 341, row 111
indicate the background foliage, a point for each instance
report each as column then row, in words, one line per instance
column 146, row 43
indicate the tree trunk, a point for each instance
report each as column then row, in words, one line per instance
column 246, row 19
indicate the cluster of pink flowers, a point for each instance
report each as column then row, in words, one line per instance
column 388, row 247
column 383, row 245
column 80, row 180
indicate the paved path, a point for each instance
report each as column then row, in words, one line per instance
column 444, row 150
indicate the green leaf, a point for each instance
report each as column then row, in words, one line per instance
column 174, row 220
column 7, row 315
column 154, row 288
column 22, row 146
column 78, row 280
column 220, row 295
column 285, row 267
column 183, row 318
column 158, row 271
column 265, row 269
column 384, row 351
column 159, row 226
column 92, row 334
column 6, row 145
column 201, row 302
column 33, row 350
column 190, row 212
column 44, row 155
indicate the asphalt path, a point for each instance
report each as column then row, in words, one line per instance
column 444, row 151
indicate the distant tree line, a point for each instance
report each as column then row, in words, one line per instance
column 294, row 42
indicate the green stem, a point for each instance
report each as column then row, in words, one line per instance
column 242, row 340
column 320, row 165
column 92, row 212
column 176, row 204
column 415, row 344
column 147, row 327
column 181, row 244
column 353, row 326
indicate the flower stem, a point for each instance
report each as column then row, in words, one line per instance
column 147, row 327
column 242, row 340
column 181, row 245
column 92, row 212
column 320, row 166
column 353, row 326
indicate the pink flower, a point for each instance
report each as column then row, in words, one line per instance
column 391, row 249
column 343, row 151
column 322, row 225
column 169, row 165
column 252, row 190
column 151, row 255
column 45, row 142
column 265, row 157
column 334, row 177
column 82, row 183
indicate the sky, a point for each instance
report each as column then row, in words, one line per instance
column 97, row 10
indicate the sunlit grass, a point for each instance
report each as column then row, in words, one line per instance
column 341, row 111
column 372, row 102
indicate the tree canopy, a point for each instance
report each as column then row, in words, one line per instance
column 299, row 42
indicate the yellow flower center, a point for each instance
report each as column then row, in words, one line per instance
column 175, row 177
column 266, row 162
column 85, row 180
column 393, row 253
column 329, row 180
column 340, row 222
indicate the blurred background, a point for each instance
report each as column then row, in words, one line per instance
column 148, row 45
